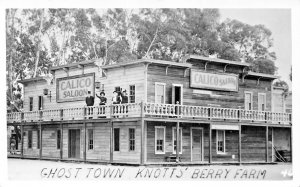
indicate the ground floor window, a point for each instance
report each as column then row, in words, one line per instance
column 220, row 141
column 175, row 140
column 116, row 139
column 160, row 137
column 29, row 139
column 90, row 139
column 58, row 139
column 131, row 139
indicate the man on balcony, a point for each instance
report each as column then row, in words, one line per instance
column 89, row 100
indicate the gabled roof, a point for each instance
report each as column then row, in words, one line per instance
column 216, row 60
column 152, row 61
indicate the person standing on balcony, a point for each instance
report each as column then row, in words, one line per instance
column 125, row 100
column 103, row 101
column 89, row 100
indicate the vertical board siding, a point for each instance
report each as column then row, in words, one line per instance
column 202, row 97
column 124, row 155
column 123, row 77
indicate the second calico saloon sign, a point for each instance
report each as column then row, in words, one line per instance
column 74, row 88
column 213, row 81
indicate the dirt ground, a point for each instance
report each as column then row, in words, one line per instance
column 21, row 169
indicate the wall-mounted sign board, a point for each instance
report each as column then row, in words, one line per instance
column 75, row 88
column 213, row 81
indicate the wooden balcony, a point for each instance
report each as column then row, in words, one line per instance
column 153, row 110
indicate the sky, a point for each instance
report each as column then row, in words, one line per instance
column 279, row 22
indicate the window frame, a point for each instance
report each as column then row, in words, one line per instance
column 224, row 142
column 40, row 101
column 251, row 97
column 88, row 139
column 129, row 140
column 130, row 101
column 259, row 108
column 29, row 139
column 58, row 139
column 164, row 91
column 173, row 136
column 164, row 140
column 114, row 141
column 30, row 103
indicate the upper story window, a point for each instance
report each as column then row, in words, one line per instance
column 261, row 101
column 40, row 107
column 248, row 101
column 30, row 103
column 160, row 89
column 132, row 93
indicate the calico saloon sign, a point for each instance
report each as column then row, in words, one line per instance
column 74, row 88
column 213, row 81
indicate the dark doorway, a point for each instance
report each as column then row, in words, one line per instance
column 177, row 94
column 74, row 143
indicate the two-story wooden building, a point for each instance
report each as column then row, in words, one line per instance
column 218, row 110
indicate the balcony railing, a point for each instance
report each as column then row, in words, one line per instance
column 151, row 110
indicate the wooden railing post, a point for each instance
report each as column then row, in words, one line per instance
column 40, row 115
column 290, row 118
column 210, row 113
column 239, row 114
column 22, row 139
column 266, row 116
column 142, row 109
column 61, row 114
column 84, row 112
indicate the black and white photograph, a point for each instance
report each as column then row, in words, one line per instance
column 149, row 93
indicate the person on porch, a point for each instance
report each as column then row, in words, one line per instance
column 103, row 101
column 89, row 100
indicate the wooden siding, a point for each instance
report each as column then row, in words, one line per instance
column 123, row 77
column 202, row 97
column 124, row 155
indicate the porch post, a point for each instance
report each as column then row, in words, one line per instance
column 142, row 140
column 267, row 141
column 240, row 144
column 291, row 147
column 41, row 140
column 22, row 139
column 111, row 141
column 142, row 157
column 210, row 142
column 177, row 141
column 84, row 141
column 61, row 140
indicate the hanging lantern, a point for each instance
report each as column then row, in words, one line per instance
column 45, row 91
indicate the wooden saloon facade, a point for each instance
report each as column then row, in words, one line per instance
column 218, row 110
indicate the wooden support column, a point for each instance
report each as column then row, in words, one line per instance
column 177, row 141
column 267, row 141
column 41, row 140
column 142, row 140
column 61, row 140
column 291, row 147
column 84, row 141
column 210, row 142
column 22, row 139
column 111, row 141
column 240, row 144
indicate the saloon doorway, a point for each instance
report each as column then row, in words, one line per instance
column 74, row 143
column 196, row 144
